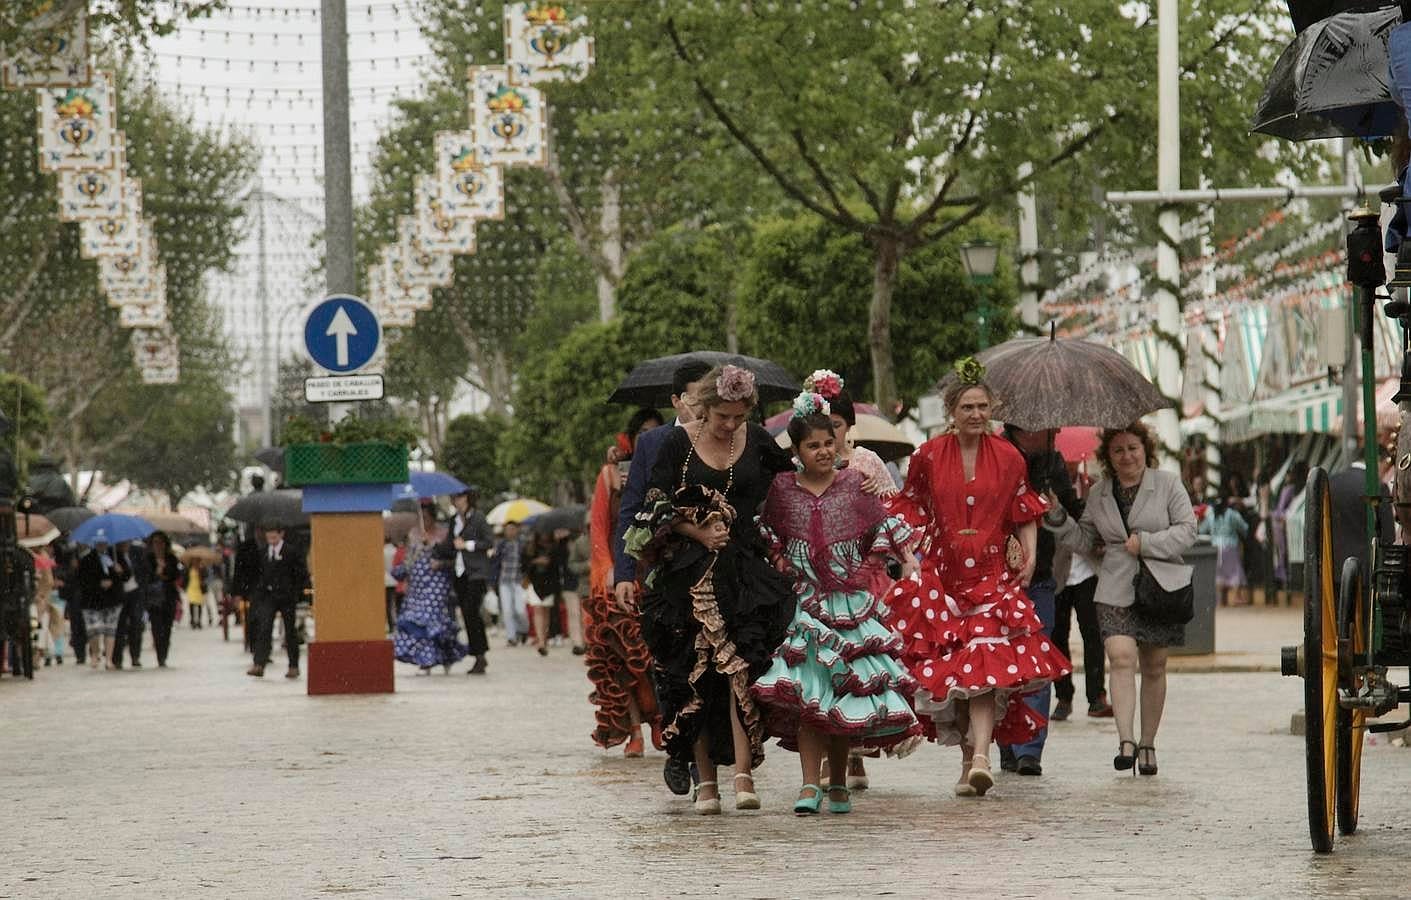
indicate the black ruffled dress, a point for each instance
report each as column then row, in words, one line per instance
column 712, row 620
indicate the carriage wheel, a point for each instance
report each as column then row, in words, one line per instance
column 1320, row 662
column 1352, row 631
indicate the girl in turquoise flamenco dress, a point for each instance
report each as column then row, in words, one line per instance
column 835, row 682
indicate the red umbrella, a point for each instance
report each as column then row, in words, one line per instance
column 1077, row 442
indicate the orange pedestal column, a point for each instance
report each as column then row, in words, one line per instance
column 350, row 653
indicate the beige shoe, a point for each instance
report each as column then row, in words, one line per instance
column 962, row 787
column 980, row 778
column 745, row 799
column 709, row 807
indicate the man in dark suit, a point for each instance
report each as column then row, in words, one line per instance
column 467, row 543
column 283, row 576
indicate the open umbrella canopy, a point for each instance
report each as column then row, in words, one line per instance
column 171, row 523
column 649, row 384
column 112, row 528
column 427, row 484
column 284, row 507
column 67, row 518
column 517, row 510
column 571, row 517
column 1333, row 80
column 273, row 457
column 34, row 530
column 1043, row 383
column 200, row 556
column 1077, row 442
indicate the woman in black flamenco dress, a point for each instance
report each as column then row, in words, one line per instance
column 714, row 610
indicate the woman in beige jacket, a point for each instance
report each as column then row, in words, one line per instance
column 1136, row 513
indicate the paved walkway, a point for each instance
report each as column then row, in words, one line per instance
column 197, row 781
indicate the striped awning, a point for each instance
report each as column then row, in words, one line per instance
column 1307, row 411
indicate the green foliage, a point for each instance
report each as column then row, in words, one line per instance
column 470, row 452
column 117, row 20
column 352, row 429
column 23, row 405
column 676, row 293
column 563, row 423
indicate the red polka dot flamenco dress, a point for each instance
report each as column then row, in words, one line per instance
column 969, row 628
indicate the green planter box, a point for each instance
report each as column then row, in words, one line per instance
column 370, row 463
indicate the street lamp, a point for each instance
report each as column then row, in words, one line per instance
column 980, row 259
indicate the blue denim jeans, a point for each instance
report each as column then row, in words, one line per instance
column 1042, row 593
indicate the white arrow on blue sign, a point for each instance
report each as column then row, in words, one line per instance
column 342, row 334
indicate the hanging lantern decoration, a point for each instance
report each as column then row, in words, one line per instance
column 508, row 121
column 78, row 126
column 547, row 42
column 57, row 57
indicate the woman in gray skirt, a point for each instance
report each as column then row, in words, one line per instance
column 1137, row 512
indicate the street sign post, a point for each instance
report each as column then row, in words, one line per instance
column 342, row 334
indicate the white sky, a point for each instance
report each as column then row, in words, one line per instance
column 256, row 69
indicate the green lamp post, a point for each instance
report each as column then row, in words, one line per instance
column 980, row 259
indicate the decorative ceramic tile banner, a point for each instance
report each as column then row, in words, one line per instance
column 436, row 228
column 164, row 375
column 399, row 291
column 151, row 314
column 510, row 122
column 155, row 348
column 547, row 42
column 96, row 193
column 421, row 267
column 78, row 126
column 130, row 275
column 121, row 235
column 54, row 58
column 469, row 188
column 120, row 293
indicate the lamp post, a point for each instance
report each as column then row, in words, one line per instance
column 980, row 259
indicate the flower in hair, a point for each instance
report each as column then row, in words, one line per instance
column 970, row 370
column 825, row 382
column 735, row 384
column 810, row 403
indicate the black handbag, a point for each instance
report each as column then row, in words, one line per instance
column 1158, row 604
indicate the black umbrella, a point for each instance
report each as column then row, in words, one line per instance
column 282, row 507
column 570, row 517
column 67, row 518
column 272, row 457
column 1333, row 81
column 1042, row 383
column 649, row 384
column 1308, row 12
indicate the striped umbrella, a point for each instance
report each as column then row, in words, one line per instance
column 1042, row 383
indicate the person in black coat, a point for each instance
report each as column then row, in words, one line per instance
column 163, row 577
column 66, row 580
column 467, row 543
column 245, row 572
column 283, row 577
column 101, row 573
column 132, row 621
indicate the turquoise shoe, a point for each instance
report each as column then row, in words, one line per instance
column 839, row 806
column 808, row 806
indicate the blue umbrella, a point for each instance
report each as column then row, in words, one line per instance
column 112, row 528
column 428, row 484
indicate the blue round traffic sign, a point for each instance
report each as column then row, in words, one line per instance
column 341, row 334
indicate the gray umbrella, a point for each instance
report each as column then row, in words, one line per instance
column 1044, row 383
column 649, row 384
column 1333, row 80
column 569, row 517
column 67, row 518
column 282, row 507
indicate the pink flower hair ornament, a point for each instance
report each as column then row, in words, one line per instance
column 810, row 403
column 825, row 382
column 735, row 384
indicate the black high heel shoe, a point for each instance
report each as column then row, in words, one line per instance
column 1122, row 761
column 1147, row 768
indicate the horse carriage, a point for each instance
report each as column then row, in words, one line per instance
column 1357, row 619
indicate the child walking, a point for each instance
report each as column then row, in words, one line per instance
column 835, row 682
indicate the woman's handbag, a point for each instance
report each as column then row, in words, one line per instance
column 1158, row 604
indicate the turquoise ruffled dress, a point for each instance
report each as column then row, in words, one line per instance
column 837, row 669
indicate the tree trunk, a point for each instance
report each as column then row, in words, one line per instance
column 610, row 229
column 885, row 262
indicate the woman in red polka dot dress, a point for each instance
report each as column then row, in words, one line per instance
column 973, row 640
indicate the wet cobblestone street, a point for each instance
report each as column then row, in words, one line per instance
column 199, row 781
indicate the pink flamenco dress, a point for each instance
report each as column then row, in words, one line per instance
column 837, row 670
column 969, row 628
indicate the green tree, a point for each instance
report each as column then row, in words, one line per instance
column 22, row 20
column 471, row 452
column 807, row 285
column 24, row 407
column 856, row 114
